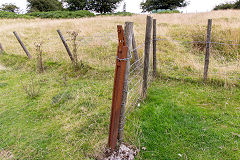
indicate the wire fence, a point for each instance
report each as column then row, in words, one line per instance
column 224, row 61
column 135, row 79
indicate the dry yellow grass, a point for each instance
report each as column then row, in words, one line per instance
column 101, row 51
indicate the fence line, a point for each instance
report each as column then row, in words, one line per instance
column 199, row 42
column 191, row 36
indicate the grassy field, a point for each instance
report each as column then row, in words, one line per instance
column 64, row 113
column 187, row 120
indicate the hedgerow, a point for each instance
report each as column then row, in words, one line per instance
column 62, row 14
column 8, row 15
column 51, row 14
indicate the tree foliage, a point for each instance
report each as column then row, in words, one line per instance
column 104, row 6
column 74, row 5
column 231, row 5
column 124, row 7
column 9, row 7
column 224, row 6
column 44, row 5
column 237, row 5
column 150, row 5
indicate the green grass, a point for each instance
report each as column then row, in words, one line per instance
column 69, row 117
column 183, row 120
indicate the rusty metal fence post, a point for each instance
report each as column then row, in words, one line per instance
column 207, row 55
column 128, row 32
column 146, row 55
column 121, row 63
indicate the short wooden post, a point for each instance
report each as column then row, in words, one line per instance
column 154, row 47
column 23, row 46
column 207, row 55
column 1, row 49
column 128, row 33
column 146, row 55
column 66, row 46
column 40, row 60
column 134, row 46
column 121, row 63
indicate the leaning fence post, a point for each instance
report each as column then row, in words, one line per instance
column 146, row 55
column 134, row 46
column 128, row 33
column 23, row 46
column 207, row 55
column 66, row 45
column 121, row 63
column 154, row 47
column 1, row 49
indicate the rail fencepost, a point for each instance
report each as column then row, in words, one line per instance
column 154, row 47
column 1, row 49
column 146, row 55
column 23, row 46
column 66, row 46
column 207, row 55
column 135, row 51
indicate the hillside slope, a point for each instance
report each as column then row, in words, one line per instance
column 64, row 112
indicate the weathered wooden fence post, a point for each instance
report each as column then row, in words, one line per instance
column 66, row 46
column 128, row 33
column 1, row 49
column 121, row 63
column 207, row 55
column 134, row 46
column 146, row 55
column 23, row 46
column 154, row 47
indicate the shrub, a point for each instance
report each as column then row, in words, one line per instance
column 62, row 14
column 163, row 11
column 4, row 14
column 118, row 14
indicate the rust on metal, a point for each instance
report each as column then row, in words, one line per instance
column 118, row 88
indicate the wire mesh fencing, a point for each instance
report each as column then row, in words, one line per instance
column 224, row 59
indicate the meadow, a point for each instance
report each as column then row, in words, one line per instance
column 64, row 112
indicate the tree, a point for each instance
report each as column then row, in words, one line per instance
column 124, row 7
column 237, row 5
column 224, row 6
column 103, row 6
column 231, row 5
column 9, row 7
column 44, row 5
column 150, row 5
column 74, row 5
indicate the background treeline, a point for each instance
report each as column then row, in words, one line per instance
column 63, row 9
column 50, row 14
column 97, row 6
column 84, row 8
column 228, row 5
